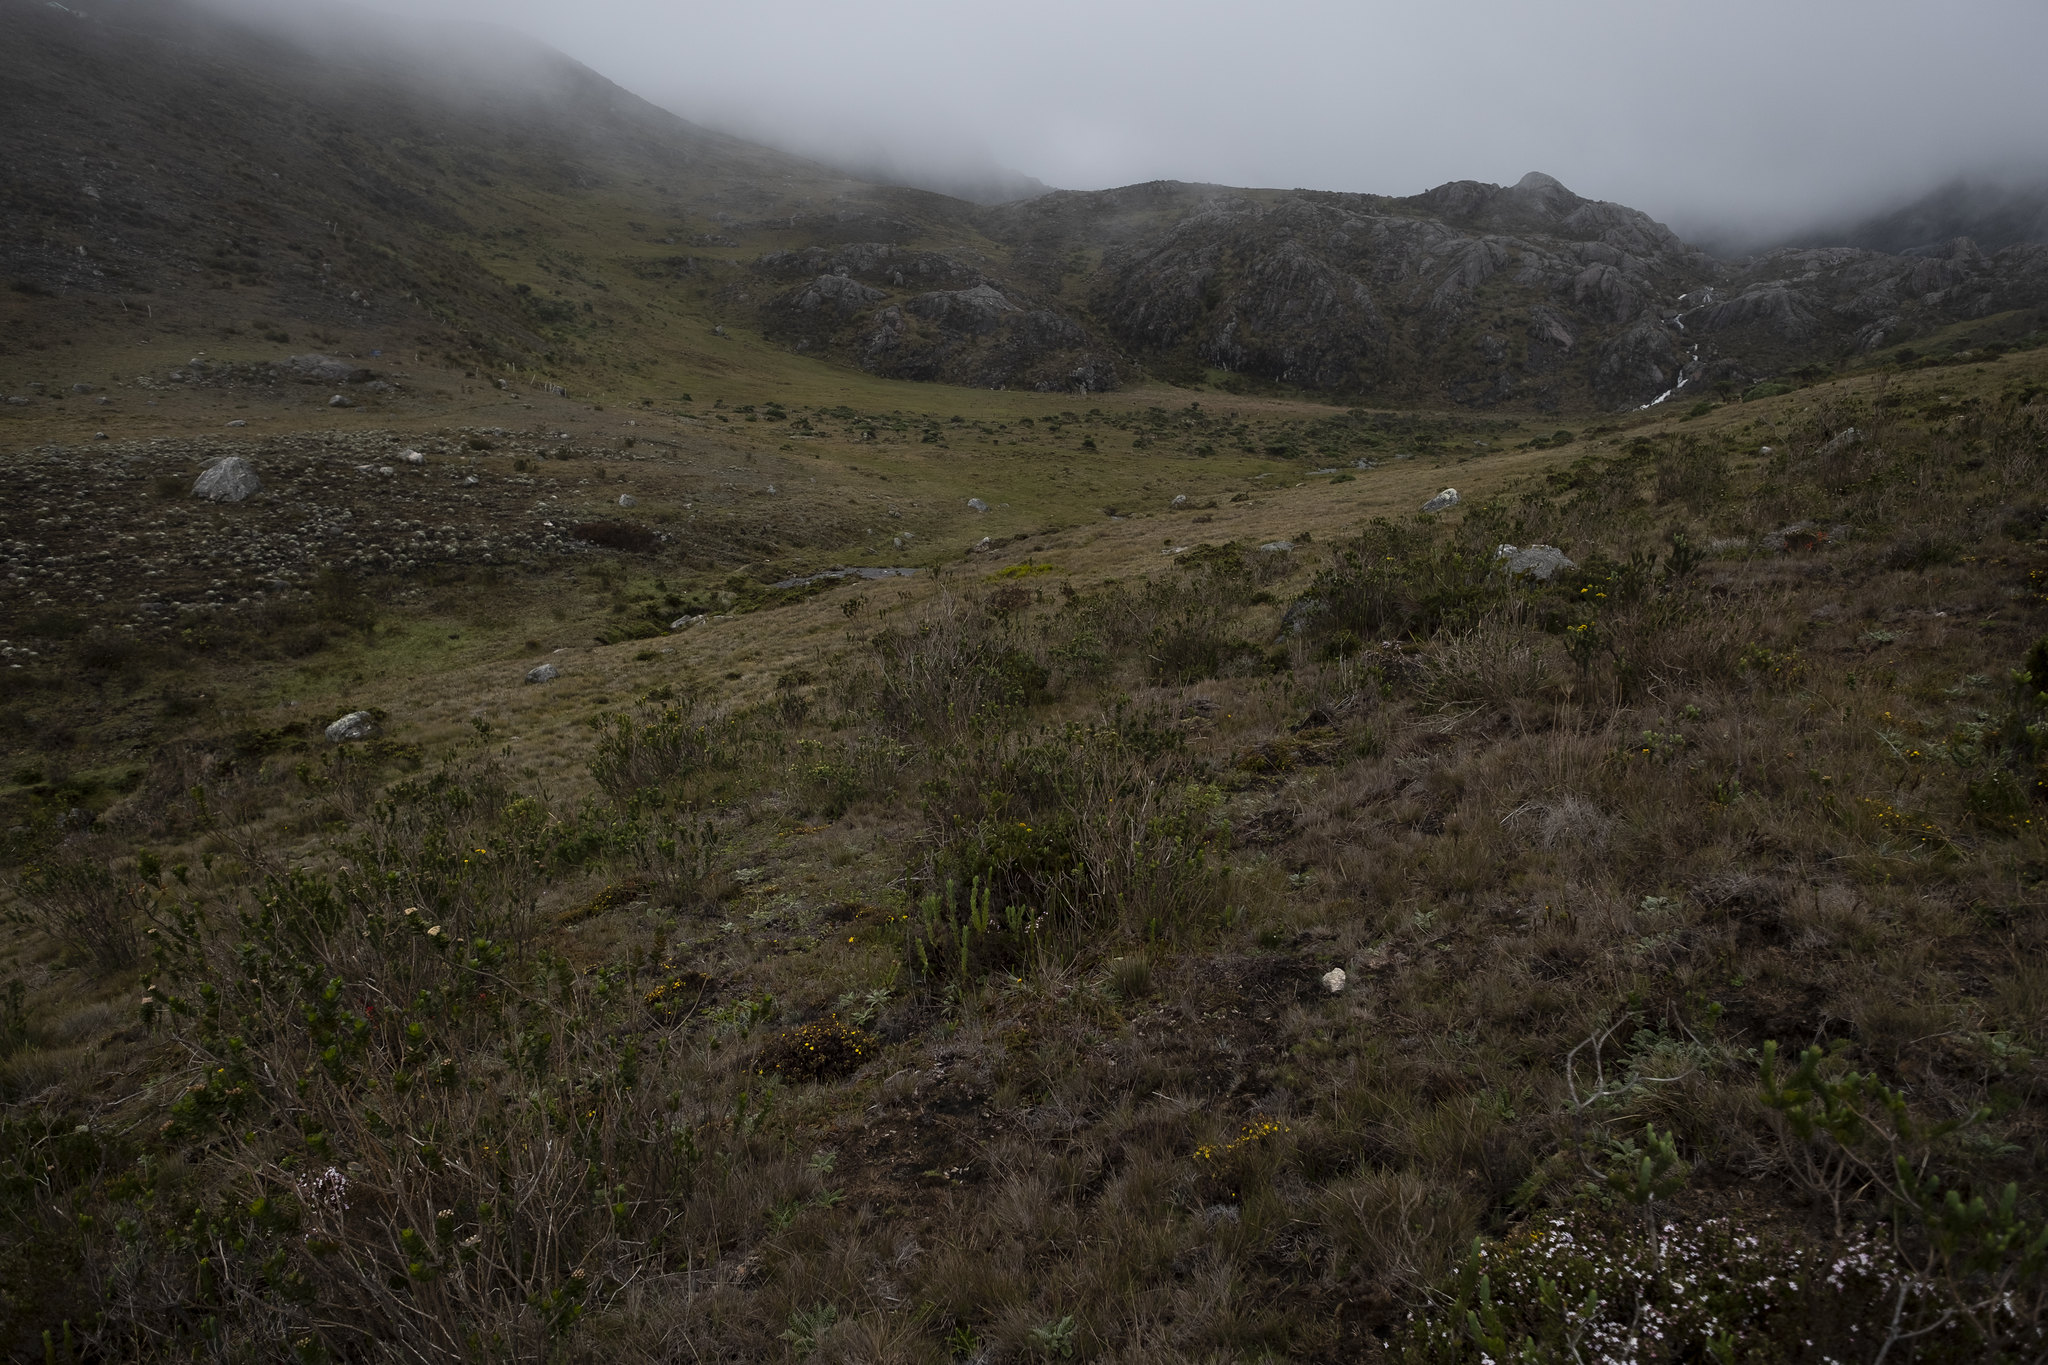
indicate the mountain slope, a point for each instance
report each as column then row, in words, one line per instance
column 1481, row 294
column 501, row 207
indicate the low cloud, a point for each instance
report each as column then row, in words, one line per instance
column 1738, row 121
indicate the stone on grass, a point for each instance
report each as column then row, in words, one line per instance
column 976, row 504
column 545, row 673
column 627, row 500
column 1540, row 562
column 229, row 480
column 1334, row 979
column 1442, row 502
column 352, row 728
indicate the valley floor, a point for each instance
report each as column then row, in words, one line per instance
column 1206, row 910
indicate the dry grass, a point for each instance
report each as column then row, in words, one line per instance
column 1109, row 1108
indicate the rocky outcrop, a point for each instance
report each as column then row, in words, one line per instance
column 878, row 263
column 978, row 333
column 1484, row 294
column 834, row 294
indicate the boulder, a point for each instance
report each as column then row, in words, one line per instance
column 1277, row 547
column 1442, row 502
column 976, row 504
column 1540, row 562
column 325, row 369
column 545, row 673
column 352, row 728
column 1334, row 980
column 415, row 457
column 228, row 480
column 1301, row 615
column 628, row 500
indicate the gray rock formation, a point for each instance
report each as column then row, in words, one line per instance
column 834, row 294
column 325, row 369
column 1528, row 293
column 1442, row 502
column 230, row 480
column 545, row 673
column 1540, row 562
column 352, row 728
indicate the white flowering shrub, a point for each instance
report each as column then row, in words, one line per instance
column 1587, row 1287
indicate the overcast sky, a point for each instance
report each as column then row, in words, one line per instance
column 1733, row 114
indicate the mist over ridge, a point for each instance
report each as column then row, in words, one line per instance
column 1750, row 127
column 438, row 138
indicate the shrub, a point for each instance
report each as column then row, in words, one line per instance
column 954, row 668
column 1590, row 1286
column 660, row 753
column 1077, row 825
column 78, row 896
column 824, row 1050
column 1692, row 472
column 1393, row 582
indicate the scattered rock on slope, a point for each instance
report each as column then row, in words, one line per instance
column 228, row 480
column 1539, row 562
column 352, row 728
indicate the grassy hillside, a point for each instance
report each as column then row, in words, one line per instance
column 933, row 967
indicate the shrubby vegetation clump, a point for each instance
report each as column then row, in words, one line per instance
column 968, row 994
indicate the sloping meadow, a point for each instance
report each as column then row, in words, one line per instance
column 1332, row 952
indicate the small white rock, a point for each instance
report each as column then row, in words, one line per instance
column 627, row 500
column 546, row 673
column 1334, row 979
column 414, row 457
